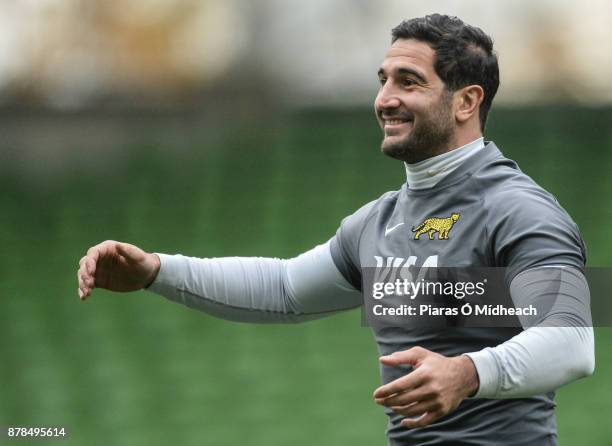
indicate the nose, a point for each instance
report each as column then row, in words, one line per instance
column 386, row 98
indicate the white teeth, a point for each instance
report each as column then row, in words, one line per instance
column 394, row 121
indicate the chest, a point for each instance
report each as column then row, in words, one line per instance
column 417, row 232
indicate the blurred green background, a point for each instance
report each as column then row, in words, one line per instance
column 139, row 370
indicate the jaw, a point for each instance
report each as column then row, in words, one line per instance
column 395, row 134
column 394, row 146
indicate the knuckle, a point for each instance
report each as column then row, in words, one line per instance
column 429, row 393
column 435, row 388
column 426, row 371
column 437, row 406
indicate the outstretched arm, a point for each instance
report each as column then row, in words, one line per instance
column 247, row 289
column 257, row 289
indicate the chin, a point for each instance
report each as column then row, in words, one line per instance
column 395, row 148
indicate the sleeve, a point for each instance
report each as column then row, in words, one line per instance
column 528, row 228
column 557, row 349
column 255, row 289
column 345, row 244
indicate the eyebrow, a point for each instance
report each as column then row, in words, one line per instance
column 406, row 71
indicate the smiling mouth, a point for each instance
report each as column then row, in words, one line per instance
column 395, row 122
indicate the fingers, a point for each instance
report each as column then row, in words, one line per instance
column 87, row 268
column 84, row 290
column 422, row 421
column 416, row 409
column 407, row 397
column 95, row 252
column 411, row 356
column 84, row 273
column 85, row 277
column 88, row 265
column 400, row 385
column 420, row 403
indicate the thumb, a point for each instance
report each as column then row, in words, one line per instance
column 130, row 252
column 411, row 356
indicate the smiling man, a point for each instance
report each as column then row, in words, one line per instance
column 464, row 205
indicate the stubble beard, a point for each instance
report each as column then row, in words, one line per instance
column 431, row 135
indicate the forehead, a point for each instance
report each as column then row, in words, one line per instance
column 410, row 53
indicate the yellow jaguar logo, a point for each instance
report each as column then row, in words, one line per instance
column 440, row 225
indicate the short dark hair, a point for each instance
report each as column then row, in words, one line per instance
column 464, row 54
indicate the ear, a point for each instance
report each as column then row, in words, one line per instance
column 467, row 102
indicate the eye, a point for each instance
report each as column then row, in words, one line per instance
column 382, row 80
column 409, row 82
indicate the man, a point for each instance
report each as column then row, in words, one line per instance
column 468, row 206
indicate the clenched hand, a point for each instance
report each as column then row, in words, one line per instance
column 116, row 266
column 435, row 387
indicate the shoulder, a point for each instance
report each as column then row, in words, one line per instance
column 505, row 188
column 383, row 204
column 525, row 224
column 510, row 194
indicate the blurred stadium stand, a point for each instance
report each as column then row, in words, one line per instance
column 72, row 54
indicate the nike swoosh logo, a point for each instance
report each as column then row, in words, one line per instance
column 393, row 228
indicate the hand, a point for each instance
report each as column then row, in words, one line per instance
column 116, row 266
column 435, row 387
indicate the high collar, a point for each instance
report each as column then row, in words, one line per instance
column 427, row 173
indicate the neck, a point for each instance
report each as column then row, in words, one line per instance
column 427, row 173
